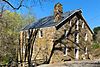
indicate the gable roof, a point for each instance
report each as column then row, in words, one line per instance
column 49, row 21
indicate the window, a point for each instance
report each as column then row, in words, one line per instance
column 77, row 53
column 65, row 51
column 66, row 33
column 40, row 33
column 85, row 36
column 70, row 23
column 77, row 38
column 83, row 25
column 77, row 25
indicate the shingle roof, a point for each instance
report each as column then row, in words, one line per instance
column 49, row 21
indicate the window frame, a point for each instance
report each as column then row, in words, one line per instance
column 40, row 33
column 83, row 25
column 86, row 37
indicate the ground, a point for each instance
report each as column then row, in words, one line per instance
column 84, row 63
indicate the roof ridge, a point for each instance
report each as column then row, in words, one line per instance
column 49, row 20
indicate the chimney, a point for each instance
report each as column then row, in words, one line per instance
column 58, row 12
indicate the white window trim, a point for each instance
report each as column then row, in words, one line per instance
column 77, row 23
column 86, row 37
column 66, row 51
column 77, row 38
column 77, row 53
column 40, row 33
column 66, row 32
column 83, row 25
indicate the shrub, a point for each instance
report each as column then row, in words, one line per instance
column 96, row 45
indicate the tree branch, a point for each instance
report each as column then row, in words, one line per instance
column 15, row 8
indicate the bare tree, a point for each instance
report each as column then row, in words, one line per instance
column 22, row 3
column 10, row 4
column 18, row 4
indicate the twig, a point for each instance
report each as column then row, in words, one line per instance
column 15, row 8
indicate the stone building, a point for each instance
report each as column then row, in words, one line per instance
column 59, row 38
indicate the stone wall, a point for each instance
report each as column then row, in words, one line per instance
column 44, row 43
